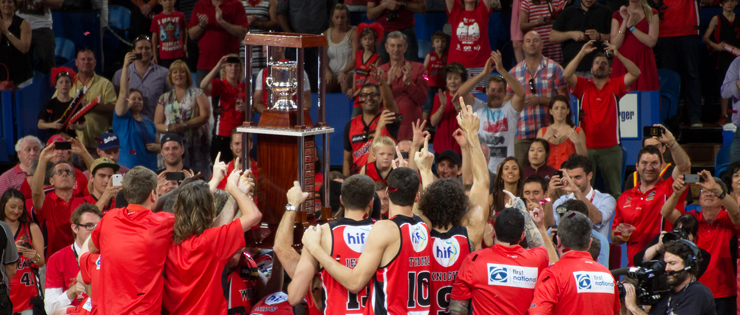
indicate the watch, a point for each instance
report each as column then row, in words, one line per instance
column 722, row 196
column 290, row 207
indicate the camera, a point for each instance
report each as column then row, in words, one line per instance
column 651, row 282
column 676, row 234
column 392, row 15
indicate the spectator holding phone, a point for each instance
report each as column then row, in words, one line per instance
column 139, row 141
column 228, row 113
column 103, row 193
column 144, row 76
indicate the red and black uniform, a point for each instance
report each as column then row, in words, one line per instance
column 371, row 170
column 358, row 137
column 450, row 249
column 402, row 286
column 90, row 271
column 362, row 72
column 276, row 303
column 435, row 69
column 23, row 284
column 348, row 241
column 239, row 286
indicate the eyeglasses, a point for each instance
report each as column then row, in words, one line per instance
column 89, row 226
column 532, row 88
column 142, row 37
column 366, row 95
column 707, row 192
column 64, row 172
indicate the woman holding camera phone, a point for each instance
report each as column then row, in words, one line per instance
column 28, row 238
column 137, row 135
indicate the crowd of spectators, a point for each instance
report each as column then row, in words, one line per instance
column 96, row 214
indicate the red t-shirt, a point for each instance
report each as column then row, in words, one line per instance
column 133, row 242
column 358, row 138
column 443, row 139
column 78, row 190
column 276, row 303
column 576, row 284
column 90, row 271
column 362, row 72
column 715, row 238
column 500, row 279
column 600, row 119
column 23, row 284
column 91, row 200
column 449, row 250
column 405, row 18
column 435, row 69
column 55, row 216
column 62, row 270
column 371, row 170
column 402, row 286
column 84, row 308
column 225, row 116
column 241, row 285
column 170, row 30
column 642, row 210
column 193, row 270
column 681, row 16
column 469, row 45
column 216, row 42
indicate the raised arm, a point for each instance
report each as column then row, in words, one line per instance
column 669, row 211
column 633, row 72
column 306, row 269
column 730, row 203
column 37, row 184
column 569, row 73
column 122, row 104
column 680, row 158
column 205, row 85
column 239, row 187
column 517, row 100
column 470, row 84
column 418, row 6
column 476, row 218
column 385, row 90
column 424, row 160
column 283, row 247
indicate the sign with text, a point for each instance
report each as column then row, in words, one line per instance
column 628, row 124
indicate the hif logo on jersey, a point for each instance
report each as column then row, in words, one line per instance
column 355, row 237
column 276, row 298
column 419, row 237
column 446, row 252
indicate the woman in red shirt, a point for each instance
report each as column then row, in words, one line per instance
column 469, row 45
column 228, row 112
column 562, row 135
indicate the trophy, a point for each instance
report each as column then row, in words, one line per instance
column 282, row 82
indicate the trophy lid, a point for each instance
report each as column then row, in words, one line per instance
column 293, row 40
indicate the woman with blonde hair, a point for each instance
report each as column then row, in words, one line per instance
column 342, row 51
column 184, row 111
column 635, row 30
column 229, row 96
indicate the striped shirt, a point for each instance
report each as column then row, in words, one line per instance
column 549, row 50
column 13, row 178
column 260, row 12
column 547, row 80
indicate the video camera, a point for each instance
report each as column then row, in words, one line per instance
column 651, row 281
column 676, row 234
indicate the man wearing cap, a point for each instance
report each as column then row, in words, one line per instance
column 28, row 149
column 172, row 151
column 103, row 192
column 449, row 164
column 109, row 146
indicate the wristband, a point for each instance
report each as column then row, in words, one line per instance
column 632, row 29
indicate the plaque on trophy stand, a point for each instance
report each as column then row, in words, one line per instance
column 286, row 137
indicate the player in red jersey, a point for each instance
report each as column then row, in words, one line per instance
column 242, row 281
column 345, row 239
column 276, row 304
column 397, row 254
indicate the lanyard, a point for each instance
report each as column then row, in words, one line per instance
column 143, row 130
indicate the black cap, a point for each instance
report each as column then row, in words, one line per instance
column 449, row 154
column 171, row 137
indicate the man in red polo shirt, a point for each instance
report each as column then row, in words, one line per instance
column 640, row 206
column 599, row 99
column 133, row 242
column 103, row 193
column 576, row 284
column 719, row 224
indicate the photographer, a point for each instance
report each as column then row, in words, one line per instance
column 719, row 225
column 688, row 296
column 686, row 227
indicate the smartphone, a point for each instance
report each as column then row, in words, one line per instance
column 178, row 176
column 650, row 131
column 62, row 145
column 558, row 174
column 138, row 56
column 117, row 180
column 232, row 60
column 554, row 232
column 691, row 178
column 398, row 119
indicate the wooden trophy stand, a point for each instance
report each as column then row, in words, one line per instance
column 286, row 145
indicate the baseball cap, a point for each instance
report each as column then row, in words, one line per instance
column 108, row 141
column 171, row 137
column 104, row 162
column 449, row 154
column 56, row 138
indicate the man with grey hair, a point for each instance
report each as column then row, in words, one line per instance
column 576, row 284
column 28, row 149
column 406, row 79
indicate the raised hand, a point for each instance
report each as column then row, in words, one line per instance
column 418, row 132
column 708, row 184
column 466, row 119
column 497, row 61
column 666, row 137
column 399, row 161
column 219, row 168
column 296, row 196
column 312, row 238
column 588, row 47
column 407, row 73
column 424, row 159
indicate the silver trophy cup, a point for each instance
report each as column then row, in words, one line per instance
column 282, row 82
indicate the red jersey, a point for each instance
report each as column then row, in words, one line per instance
column 402, row 286
column 240, row 285
column 194, row 267
column 576, row 284
column 78, row 190
column 500, row 279
column 276, row 303
column 371, row 170
column 443, row 139
column 715, row 238
column 170, row 30
column 226, row 117
column 600, row 108
column 449, row 249
column 362, row 72
column 84, row 308
column 222, row 184
column 358, row 137
column 681, row 18
column 92, row 200
column 642, row 210
column 435, row 69
column 26, row 190
column 55, row 216
column 134, row 242
column 90, row 271
column 62, row 270
column 348, row 242
column 216, row 41
column 469, row 45
column 23, row 284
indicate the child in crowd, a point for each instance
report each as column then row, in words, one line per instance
column 370, row 34
column 384, row 151
column 721, row 37
column 435, row 63
column 169, row 35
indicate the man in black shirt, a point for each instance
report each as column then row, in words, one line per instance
column 578, row 24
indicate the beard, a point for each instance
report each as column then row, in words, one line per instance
column 677, row 279
column 599, row 74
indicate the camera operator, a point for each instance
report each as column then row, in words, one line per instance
column 688, row 296
column 719, row 225
column 686, row 227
